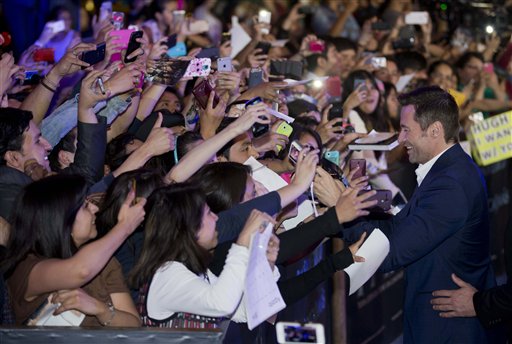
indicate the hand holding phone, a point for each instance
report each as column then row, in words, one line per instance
column 132, row 46
column 357, row 163
column 94, row 56
column 293, row 154
column 202, row 92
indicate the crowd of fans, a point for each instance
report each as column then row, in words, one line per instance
column 126, row 194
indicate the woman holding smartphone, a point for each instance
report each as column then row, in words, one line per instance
column 51, row 264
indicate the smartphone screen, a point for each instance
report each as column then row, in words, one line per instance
column 224, row 64
column 333, row 87
column 255, row 77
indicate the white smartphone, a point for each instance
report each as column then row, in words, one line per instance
column 224, row 64
column 105, row 10
column 264, row 16
column 416, row 18
column 379, row 62
column 56, row 26
column 292, row 332
column 294, row 152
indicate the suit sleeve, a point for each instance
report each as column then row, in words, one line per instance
column 494, row 305
column 441, row 210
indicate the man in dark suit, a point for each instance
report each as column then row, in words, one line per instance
column 444, row 228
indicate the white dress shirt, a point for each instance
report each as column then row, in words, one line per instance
column 423, row 169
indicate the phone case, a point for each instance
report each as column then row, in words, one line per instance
column 293, row 154
column 224, row 64
column 384, row 198
column 333, row 156
column 316, row 47
column 199, row 67
column 167, row 71
column 264, row 46
column 202, row 93
column 94, row 56
column 211, row 53
column 354, row 163
column 283, row 129
column 255, row 78
column 133, row 45
column 44, row 55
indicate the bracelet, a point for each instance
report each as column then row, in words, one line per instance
column 47, row 87
column 112, row 314
column 51, row 83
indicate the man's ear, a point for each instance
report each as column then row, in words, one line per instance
column 436, row 129
column 14, row 159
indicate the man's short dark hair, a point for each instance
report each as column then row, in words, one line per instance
column 339, row 43
column 13, row 123
column 433, row 104
column 412, row 60
column 464, row 59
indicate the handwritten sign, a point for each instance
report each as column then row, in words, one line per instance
column 491, row 139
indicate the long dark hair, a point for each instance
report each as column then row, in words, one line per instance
column 173, row 217
column 223, row 183
column 43, row 217
column 146, row 182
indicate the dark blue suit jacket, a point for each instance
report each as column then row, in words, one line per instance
column 443, row 229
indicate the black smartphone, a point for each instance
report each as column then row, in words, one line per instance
column 264, row 46
column 381, row 26
column 212, row 53
column 94, row 56
column 255, row 77
column 336, row 110
column 171, row 41
column 32, row 77
column 404, row 43
column 289, row 69
column 132, row 46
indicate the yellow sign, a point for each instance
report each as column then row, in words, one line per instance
column 491, row 139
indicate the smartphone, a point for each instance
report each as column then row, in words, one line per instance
column 122, row 37
column 56, row 26
column 416, row 18
column 355, row 163
column 117, row 20
column 202, row 92
column 94, row 56
column 404, row 43
column 358, row 82
column 378, row 62
column 264, row 16
column 199, row 67
column 212, row 53
column 264, row 46
column 333, row 87
column 293, row 154
column 133, row 45
column 316, row 46
column 171, row 41
column 283, row 129
column 105, row 10
column 32, row 77
column 336, row 110
column 488, row 67
column 288, row 69
column 255, row 77
column 381, row 26
column 44, row 55
column 224, row 64
column 333, row 156
column 384, row 198
column 290, row 332
column 178, row 16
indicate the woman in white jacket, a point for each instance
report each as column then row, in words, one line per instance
column 177, row 289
